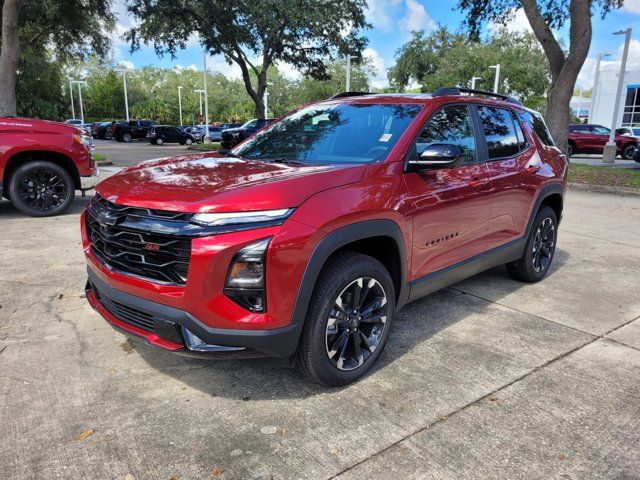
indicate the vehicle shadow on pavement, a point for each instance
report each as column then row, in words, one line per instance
column 259, row 379
column 8, row 211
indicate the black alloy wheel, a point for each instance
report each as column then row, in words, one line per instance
column 629, row 151
column 348, row 321
column 41, row 189
column 543, row 245
column 539, row 249
column 356, row 323
column 571, row 149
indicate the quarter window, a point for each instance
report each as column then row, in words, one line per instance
column 499, row 132
column 537, row 123
column 451, row 126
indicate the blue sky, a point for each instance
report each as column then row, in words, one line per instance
column 392, row 21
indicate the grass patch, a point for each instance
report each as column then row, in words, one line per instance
column 610, row 177
column 205, row 147
column 99, row 158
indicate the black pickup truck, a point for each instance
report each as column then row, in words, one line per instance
column 128, row 131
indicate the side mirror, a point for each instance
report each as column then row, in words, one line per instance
column 438, row 156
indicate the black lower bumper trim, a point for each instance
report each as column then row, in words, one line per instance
column 279, row 342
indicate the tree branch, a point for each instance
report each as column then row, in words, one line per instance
column 543, row 33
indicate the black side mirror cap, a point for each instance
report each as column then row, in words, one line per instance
column 438, row 156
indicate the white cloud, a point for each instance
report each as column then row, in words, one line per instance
column 585, row 78
column 379, row 78
column 415, row 18
column 126, row 64
column 517, row 23
column 631, row 6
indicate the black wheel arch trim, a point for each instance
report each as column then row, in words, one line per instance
column 337, row 239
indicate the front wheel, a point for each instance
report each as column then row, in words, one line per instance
column 571, row 149
column 159, row 141
column 629, row 152
column 539, row 249
column 126, row 137
column 41, row 189
column 188, row 142
column 348, row 320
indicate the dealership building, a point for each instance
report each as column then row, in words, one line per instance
column 599, row 108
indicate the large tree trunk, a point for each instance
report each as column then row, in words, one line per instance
column 564, row 69
column 9, row 57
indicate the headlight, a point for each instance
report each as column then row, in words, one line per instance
column 245, row 283
column 84, row 140
column 239, row 218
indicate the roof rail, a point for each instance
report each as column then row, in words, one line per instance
column 442, row 91
column 350, row 94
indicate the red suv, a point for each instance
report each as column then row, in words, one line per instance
column 586, row 138
column 305, row 239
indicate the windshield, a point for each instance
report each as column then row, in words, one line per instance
column 326, row 134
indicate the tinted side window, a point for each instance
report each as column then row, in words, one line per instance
column 522, row 141
column 499, row 132
column 537, row 123
column 452, row 126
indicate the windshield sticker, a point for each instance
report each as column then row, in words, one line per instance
column 386, row 137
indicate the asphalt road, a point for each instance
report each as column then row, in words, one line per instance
column 126, row 154
column 490, row 378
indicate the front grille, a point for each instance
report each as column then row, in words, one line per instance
column 126, row 314
column 120, row 239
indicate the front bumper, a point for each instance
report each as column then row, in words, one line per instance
column 89, row 182
column 164, row 326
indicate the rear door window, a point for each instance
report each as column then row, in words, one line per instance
column 499, row 131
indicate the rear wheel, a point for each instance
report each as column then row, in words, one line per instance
column 539, row 250
column 629, row 151
column 348, row 320
column 571, row 148
column 126, row 137
column 41, row 189
column 159, row 141
column 188, row 141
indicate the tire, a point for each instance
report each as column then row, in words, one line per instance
column 327, row 326
column 126, row 137
column 159, row 141
column 539, row 249
column 629, row 151
column 41, row 189
column 188, row 142
column 571, row 149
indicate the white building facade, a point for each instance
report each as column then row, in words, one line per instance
column 603, row 98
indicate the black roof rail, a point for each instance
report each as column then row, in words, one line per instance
column 350, row 94
column 442, row 91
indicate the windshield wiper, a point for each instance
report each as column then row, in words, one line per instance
column 282, row 160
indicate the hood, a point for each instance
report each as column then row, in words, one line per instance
column 31, row 125
column 213, row 183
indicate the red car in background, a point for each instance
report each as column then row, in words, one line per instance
column 588, row 138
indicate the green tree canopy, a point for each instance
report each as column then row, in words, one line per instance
column 255, row 35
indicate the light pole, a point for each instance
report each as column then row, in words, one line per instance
column 80, row 83
column 180, row 103
column 473, row 82
column 266, row 100
column 349, row 57
column 609, row 153
column 124, row 71
column 595, row 85
column 206, row 138
column 73, row 108
column 496, row 82
column 200, row 92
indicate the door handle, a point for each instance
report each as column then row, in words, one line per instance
column 532, row 169
column 479, row 183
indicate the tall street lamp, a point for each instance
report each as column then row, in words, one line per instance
column 124, row 72
column 473, row 82
column 180, row 103
column 206, row 138
column 496, row 82
column 595, row 85
column 266, row 100
column 80, row 83
column 73, row 108
column 349, row 57
column 609, row 153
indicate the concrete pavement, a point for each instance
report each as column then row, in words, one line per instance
column 488, row 379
